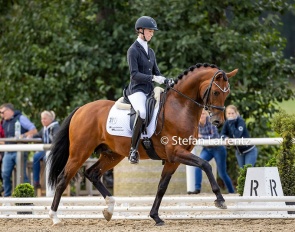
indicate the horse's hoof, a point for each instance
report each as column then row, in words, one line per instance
column 107, row 215
column 56, row 221
column 56, row 224
column 160, row 223
column 220, row 204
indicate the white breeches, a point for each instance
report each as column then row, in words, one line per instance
column 138, row 100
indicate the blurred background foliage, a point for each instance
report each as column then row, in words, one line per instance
column 59, row 55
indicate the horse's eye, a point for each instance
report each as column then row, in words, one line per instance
column 216, row 93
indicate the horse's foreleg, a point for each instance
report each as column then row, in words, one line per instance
column 168, row 171
column 192, row 160
column 94, row 174
column 60, row 188
column 206, row 167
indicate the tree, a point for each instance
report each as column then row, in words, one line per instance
column 62, row 55
column 284, row 125
column 57, row 55
column 232, row 34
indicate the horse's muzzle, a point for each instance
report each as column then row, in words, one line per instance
column 216, row 123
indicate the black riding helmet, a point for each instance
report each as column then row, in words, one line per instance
column 146, row 22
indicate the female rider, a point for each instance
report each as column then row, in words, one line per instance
column 143, row 72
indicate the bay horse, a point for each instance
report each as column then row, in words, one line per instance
column 84, row 131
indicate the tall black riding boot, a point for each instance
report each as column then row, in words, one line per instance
column 136, row 133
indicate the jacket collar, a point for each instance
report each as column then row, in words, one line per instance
column 141, row 48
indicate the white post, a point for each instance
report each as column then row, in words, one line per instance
column 49, row 191
column 190, row 178
column 19, row 168
column 190, row 174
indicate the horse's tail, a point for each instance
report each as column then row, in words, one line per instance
column 59, row 152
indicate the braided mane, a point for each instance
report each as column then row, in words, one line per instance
column 192, row 68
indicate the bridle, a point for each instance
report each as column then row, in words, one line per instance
column 207, row 92
column 206, row 106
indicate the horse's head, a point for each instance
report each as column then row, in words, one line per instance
column 205, row 86
column 214, row 90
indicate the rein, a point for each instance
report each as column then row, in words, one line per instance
column 206, row 106
column 162, row 104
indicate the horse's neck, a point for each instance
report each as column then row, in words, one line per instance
column 190, row 86
column 188, row 111
column 184, row 103
column 187, row 95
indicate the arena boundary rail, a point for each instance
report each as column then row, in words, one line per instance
column 178, row 207
column 173, row 207
column 205, row 142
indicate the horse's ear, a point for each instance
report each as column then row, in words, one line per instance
column 232, row 73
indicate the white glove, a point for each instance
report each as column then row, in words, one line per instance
column 159, row 79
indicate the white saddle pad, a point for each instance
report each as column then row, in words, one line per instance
column 118, row 122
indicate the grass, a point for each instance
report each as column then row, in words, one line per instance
column 288, row 106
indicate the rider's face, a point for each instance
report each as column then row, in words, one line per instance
column 148, row 33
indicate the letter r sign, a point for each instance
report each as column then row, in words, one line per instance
column 263, row 182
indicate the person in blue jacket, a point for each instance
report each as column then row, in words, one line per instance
column 10, row 117
column 235, row 127
column 208, row 131
column 143, row 72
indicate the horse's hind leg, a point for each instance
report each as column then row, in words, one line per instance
column 62, row 182
column 60, row 188
column 106, row 161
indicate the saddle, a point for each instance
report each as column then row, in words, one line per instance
column 149, row 105
column 152, row 100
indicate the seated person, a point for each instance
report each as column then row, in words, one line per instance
column 47, row 133
column 10, row 116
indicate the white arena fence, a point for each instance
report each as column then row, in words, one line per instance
column 176, row 207
column 200, row 142
column 172, row 207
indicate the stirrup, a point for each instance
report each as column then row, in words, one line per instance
column 133, row 156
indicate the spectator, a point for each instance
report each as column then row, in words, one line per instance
column 47, row 133
column 10, row 116
column 1, row 155
column 235, row 127
column 209, row 131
